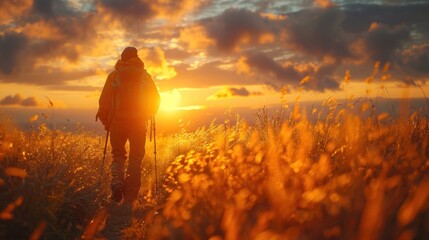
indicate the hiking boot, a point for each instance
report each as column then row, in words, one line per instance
column 117, row 194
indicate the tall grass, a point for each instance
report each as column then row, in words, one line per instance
column 48, row 181
column 344, row 171
column 285, row 177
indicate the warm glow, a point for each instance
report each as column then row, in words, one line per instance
column 170, row 100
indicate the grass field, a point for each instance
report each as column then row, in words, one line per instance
column 279, row 176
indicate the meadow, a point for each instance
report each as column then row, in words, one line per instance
column 351, row 172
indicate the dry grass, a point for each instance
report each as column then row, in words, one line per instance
column 48, row 181
column 338, row 176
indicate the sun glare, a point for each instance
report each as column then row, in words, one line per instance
column 170, row 100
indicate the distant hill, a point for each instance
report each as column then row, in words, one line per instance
column 69, row 119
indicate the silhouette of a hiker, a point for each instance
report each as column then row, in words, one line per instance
column 128, row 100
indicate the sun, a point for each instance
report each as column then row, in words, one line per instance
column 170, row 100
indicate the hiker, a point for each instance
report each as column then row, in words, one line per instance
column 128, row 100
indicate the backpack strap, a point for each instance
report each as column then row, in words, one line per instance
column 115, row 96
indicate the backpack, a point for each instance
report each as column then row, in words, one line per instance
column 135, row 96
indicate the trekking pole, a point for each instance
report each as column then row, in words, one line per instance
column 154, row 153
column 104, row 157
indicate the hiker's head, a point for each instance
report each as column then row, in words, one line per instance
column 129, row 52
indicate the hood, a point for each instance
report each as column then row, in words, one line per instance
column 135, row 61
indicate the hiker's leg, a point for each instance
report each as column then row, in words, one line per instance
column 137, row 140
column 118, row 138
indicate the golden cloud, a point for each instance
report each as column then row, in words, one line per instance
column 195, row 38
column 324, row 3
column 41, row 30
column 156, row 63
column 242, row 67
column 9, row 10
column 174, row 10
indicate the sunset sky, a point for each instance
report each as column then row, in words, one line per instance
column 214, row 53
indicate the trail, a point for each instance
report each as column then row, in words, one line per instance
column 109, row 222
column 113, row 220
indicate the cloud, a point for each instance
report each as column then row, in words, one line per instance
column 319, row 77
column 415, row 60
column 174, row 10
column 46, row 30
column 281, row 42
column 187, row 37
column 11, row 100
column 10, row 9
column 156, row 63
column 334, row 31
column 359, row 17
column 232, row 92
column 331, row 36
column 11, row 50
column 324, row 3
column 129, row 12
column 17, row 99
column 133, row 13
column 42, row 32
column 266, row 65
column 30, row 102
column 238, row 26
column 44, row 7
column 317, row 32
column 382, row 41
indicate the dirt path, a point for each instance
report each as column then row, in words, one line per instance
column 109, row 222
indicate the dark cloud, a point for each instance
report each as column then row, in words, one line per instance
column 233, row 92
column 11, row 100
column 235, row 25
column 323, row 77
column 415, row 60
column 359, row 17
column 17, row 99
column 130, row 11
column 60, row 8
column 318, row 32
column 133, row 13
column 341, row 33
column 68, row 30
column 361, row 33
column 381, row 41
column 30, row 102
column 266, row 65
column 44, row 7
column 312, row 77
column 12, row 46
column 57, row 31
column 238, row 92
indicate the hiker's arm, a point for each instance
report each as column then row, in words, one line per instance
column 105, row 101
